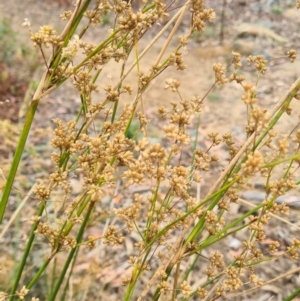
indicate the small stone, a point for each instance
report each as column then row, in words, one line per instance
column 235, row 243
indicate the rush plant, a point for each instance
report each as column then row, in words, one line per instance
column 175, row 229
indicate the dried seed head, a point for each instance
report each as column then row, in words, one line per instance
column 235, row 77
column 256, row 280
column 253, row 164
column 173, row 84
column 220, row 77
column 249, row 96
column 164, row 286
column 283, row 146
column 22, row 293
column 185, row 289
column 292, row 55
column 201, row 292
column 71, row 50
column 66, row 15
column 236, row 60
column 259, row 63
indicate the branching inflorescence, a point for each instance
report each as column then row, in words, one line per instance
column 170, row 223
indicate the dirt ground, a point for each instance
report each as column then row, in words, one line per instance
column 272, row 30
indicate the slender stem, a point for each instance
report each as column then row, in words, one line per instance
column 191, row 267
column 29, row 119
column 17, row 157
column 175, row 281
column 40, row 272
column 53, row 276
column 223, row 17
column 62, row 298
column 293, row 295
column 71, row 254
column 196, row 230
column 278, row 111
column 70, row 225
column 288, row 159
column 25, row 254
column 135, row 275
column 97, row 50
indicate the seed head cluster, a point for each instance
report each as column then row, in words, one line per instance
column 149, row 191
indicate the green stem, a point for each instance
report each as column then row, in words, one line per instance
column 191, row 267
column 274, row 163
column 76, row 22
column 40, row 272
column 72, row 252
column 62, row 298
column 220, row 234
column 17, row 157
column 274, row 121
column 57, row 57
column 25, row 254
column 135, row 275
column 68, row 227
column 293, row 295
column 196, row 230
column 53, row 276
column 96, row 50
